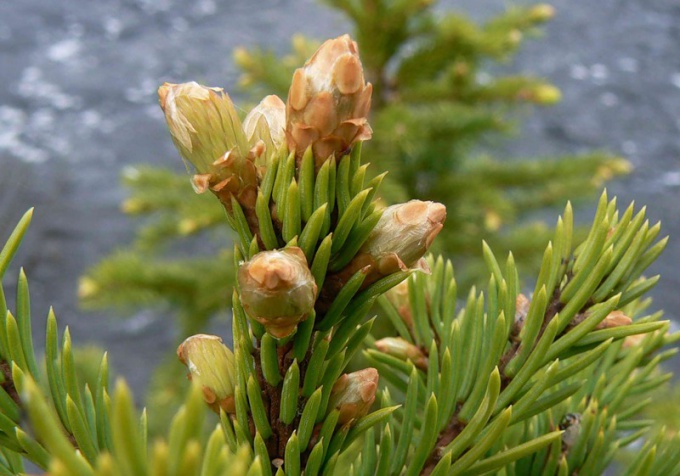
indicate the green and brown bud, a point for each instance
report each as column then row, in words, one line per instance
column 211, row 365
column 208, row 134
column 277, row 289
column 398, row 347
column 329, row 101
column 353, row 394
column 398, row 242
column 404, row 234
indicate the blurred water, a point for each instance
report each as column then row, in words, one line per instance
column 77, row 104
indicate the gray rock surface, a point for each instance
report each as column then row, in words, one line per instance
column 77, row 104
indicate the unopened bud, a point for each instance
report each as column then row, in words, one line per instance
column 211, row 365
column 277, row 289
column 398, row 347
column 404, row 234
column 328, row 102
column 207, row 132
column 267, row 121
column 353, row 394
column 614, row 319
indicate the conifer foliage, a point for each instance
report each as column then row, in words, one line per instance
column 552, row 383
column 439, row 98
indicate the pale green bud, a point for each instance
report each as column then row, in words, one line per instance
column 277, row 289
column 353, row 394
column 208, row 134
column 211, row 365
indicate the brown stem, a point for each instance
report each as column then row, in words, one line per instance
column 271, row 396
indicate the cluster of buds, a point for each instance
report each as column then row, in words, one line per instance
column 277, row 289
column 353, row 394
column 328, row 102
column 211, row 365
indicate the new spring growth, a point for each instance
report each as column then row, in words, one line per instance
column 211, row 365
column 328, row 102
column 398, row 347
column 208, row 134
column 353, row 394
column 277, row 289
column 403, row 235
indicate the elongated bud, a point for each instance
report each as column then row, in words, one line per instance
column 404, row 234
column 614, row 319
column 398, row 347
column 267, row 122
column 211, row 365
column 329, row 101
column 277, row 289
column 207, row 132
column 353, row 394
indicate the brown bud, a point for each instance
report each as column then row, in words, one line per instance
column 211, row 365
column 328, row 102
column 614, row 319
column 353, row 394
column 398, row 347
column 277, row 289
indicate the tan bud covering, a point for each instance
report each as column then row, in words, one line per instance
column 211, row 365
column 277, row 289
column 398, row 347
column 329, row 101
column 353, row 394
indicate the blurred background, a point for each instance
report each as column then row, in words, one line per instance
column 78, row 109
